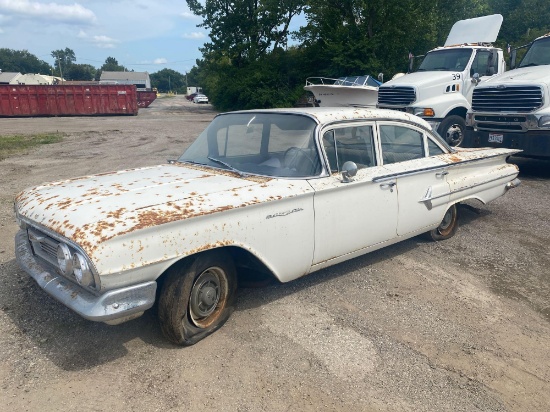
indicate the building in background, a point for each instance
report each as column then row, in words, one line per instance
column 140, row 79
column 9, row 77
column 28, row 79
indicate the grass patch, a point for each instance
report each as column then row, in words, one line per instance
column 11, row 145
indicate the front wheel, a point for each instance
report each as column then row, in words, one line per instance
column 452, row 129
column 448, row 226
column 197, row 299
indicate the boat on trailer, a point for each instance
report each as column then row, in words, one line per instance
column 354, row 91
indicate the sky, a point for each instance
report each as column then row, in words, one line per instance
column 143, row 35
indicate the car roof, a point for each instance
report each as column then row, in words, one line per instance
column 323, row 115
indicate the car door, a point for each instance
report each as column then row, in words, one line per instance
column 481, row 65
column 419, row 178
column 354, row 214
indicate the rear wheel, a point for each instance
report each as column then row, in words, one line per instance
column 452, row 129
column 197, row 299
column 448, row 226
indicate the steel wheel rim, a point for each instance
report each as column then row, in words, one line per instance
column 208, row 297
column 447, row 224
column 454, row 135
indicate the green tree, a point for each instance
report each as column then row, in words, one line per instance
column 247, row 38
column 80, row 72
column 167, row 80
column 110, row 65
column 22, row 61
column 366, row 37
column 524, row 20
column 63, row 59
column 245, row 30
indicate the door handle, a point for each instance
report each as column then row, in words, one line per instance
column 388, row 185
column 442, row 174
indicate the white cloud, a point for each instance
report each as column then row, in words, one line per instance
column 194, row 36
column 160, row 60
column 48, row 12
column 103, row 42
column 187, row 15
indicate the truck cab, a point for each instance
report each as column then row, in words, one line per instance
column 440, row 90
column 513, row 110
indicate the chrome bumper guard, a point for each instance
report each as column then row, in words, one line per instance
column 114, row 306
column 513, row 184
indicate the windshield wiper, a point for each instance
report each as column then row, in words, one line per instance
column 221, row 162
column 186, row 161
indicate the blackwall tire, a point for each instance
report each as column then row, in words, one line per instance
column 452, row 129
column 448, row 226
column 197, row 297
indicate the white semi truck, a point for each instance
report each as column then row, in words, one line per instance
column 513, row 110
column 440, row 90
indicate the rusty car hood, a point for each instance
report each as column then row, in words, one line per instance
column 90, row 210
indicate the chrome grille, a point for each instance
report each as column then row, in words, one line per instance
column 396, row 96
column 511, row 99
column 43, row 246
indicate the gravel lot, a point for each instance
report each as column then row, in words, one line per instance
column 459, row 325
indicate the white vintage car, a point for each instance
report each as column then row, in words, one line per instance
column 200, row 98
column 279, row 192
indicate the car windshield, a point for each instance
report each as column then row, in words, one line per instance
column 446, row 60
column 538, row 54
column 268, row 144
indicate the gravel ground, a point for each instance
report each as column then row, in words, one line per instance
column 459, row 325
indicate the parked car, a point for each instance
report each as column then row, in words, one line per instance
column 191, row 96
column 281, row 192
column 200, row 98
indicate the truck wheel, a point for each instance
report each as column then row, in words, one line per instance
column 452, row 129
column 447, row 228
column 197, row 299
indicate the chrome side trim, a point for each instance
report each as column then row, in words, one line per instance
column 428, row 197
column 432, row 168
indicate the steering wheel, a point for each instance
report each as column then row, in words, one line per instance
column 294, row 159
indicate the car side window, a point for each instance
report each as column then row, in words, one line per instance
column 400, row 144
column 353, row 144
column 433, row 148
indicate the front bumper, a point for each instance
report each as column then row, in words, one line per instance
column 112, row 307
column 534, row 144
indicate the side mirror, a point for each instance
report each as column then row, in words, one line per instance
column 513, row 59
column 476, row 79
column 349, row 170
column 381, row 77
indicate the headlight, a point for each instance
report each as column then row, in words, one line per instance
column 422, row 111
column 64, row 259
column 82, row 271
column 544, row 121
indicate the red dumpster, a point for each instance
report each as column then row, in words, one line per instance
column 67, row 100
column 145, row 97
